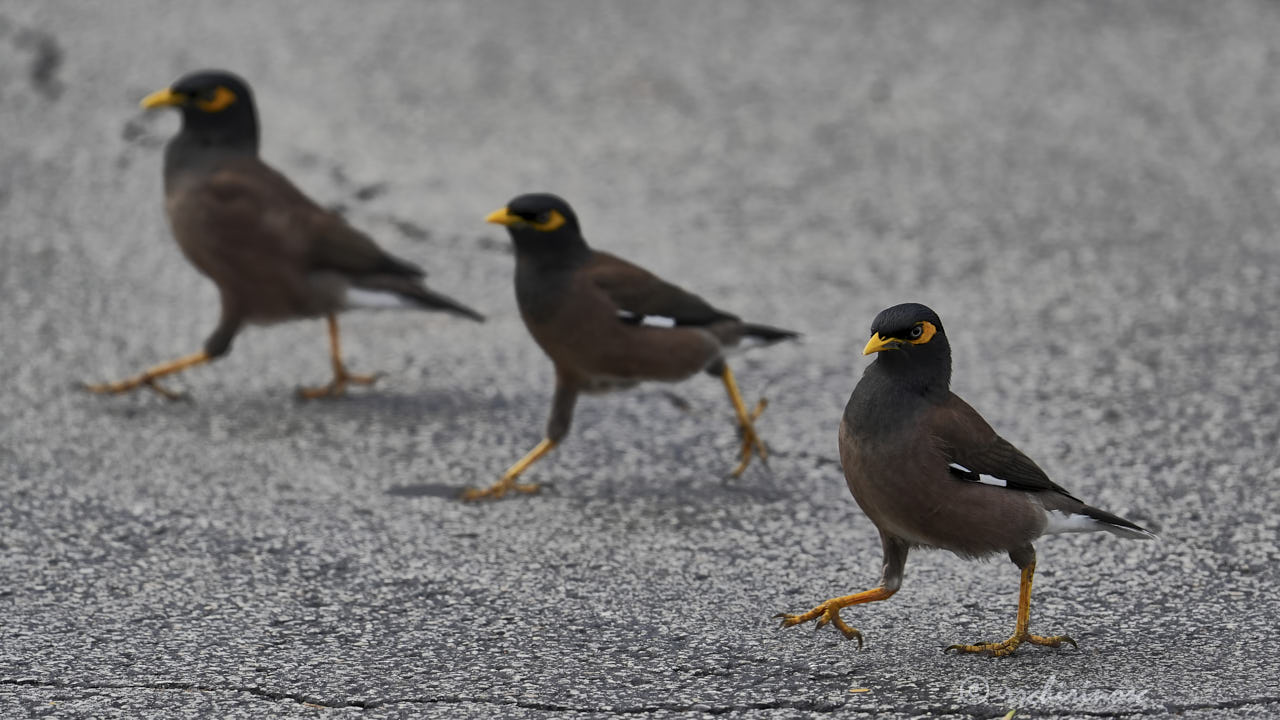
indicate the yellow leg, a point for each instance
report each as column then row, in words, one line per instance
column 829, row 611
column 341, row 378
column 508, row 481
column 149, row 376
column 1021, row 631
column 750, row 441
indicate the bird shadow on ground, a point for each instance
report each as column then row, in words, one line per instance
column 713, row 493
column 584, row 491
column 444, row 491
column 410, row 406
column 450, row 491
column 280, row 411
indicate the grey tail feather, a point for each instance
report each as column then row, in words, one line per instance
column 767, row 333
column 1117, row 525
column 435, row 301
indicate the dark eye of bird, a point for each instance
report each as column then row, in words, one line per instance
column 916, row 331
column 542, row 218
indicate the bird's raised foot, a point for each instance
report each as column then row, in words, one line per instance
column 499, row 489
column 338, row 386
column 151, row 375
column 826, row 613
column 751, row 442
column 1006, row 648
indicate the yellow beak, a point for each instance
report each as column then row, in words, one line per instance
column 877, row 344
column 163, row 98
column 502, row 217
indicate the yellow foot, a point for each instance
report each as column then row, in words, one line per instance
column 149, row 377
column 1002, row 649
column 499, row 489
column 751, row 441
column 827, row 612
column 124, row 386
column 338, row 386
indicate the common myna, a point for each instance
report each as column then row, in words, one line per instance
column 273, row 253
column 608, row 324
column 931, row 473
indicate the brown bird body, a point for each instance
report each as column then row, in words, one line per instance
column 930, row 472
column 608, row 324
column 584, row 338
column 972, row 519
column 273, row 253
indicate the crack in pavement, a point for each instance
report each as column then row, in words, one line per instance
column 780, row 704
column 312, row 701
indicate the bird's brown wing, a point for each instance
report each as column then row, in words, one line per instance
column 261, row 204
column 978, row 454
column 640, row 294
column 338, row 246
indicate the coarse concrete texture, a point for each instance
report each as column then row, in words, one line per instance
column 1085, row 191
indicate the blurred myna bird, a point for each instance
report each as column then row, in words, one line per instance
column 931, row 473
column 608, row 325
column 273, row 253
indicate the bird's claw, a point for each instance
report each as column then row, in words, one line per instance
column 1007, row 647
column 499, row 489
column 164, row 392
column 751, row 441
column 124, row 386
column 338, row 386
column 825, row 614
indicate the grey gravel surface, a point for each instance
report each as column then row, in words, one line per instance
column 1086, row 192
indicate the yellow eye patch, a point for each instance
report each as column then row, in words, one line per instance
column 553, row 221
column 927, row 331
column 505, row 217
column 222, row 98
column 895, row 342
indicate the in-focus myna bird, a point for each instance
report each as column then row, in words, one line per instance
column 931, row 473
column 608, row 325
column 273, row 253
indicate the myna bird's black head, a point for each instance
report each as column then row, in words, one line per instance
column 912, row 346
column 541, row 224
column 217, row 108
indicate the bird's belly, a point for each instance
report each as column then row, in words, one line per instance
column 274, row 301
column 597, row 384
column 909, row 494
column 264, row 294
column 266, row 298
column 612, row 355
column 260, row 283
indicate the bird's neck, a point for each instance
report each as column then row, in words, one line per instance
column 886, row 399
column 189, row 151
column 549, row 254
column 237, row 138
column 925, row 375
column 545, row 272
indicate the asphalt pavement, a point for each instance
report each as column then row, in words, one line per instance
column 1085, row 191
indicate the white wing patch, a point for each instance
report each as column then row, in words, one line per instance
column 373, row 299
column 660, row 321
column 972, row 476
